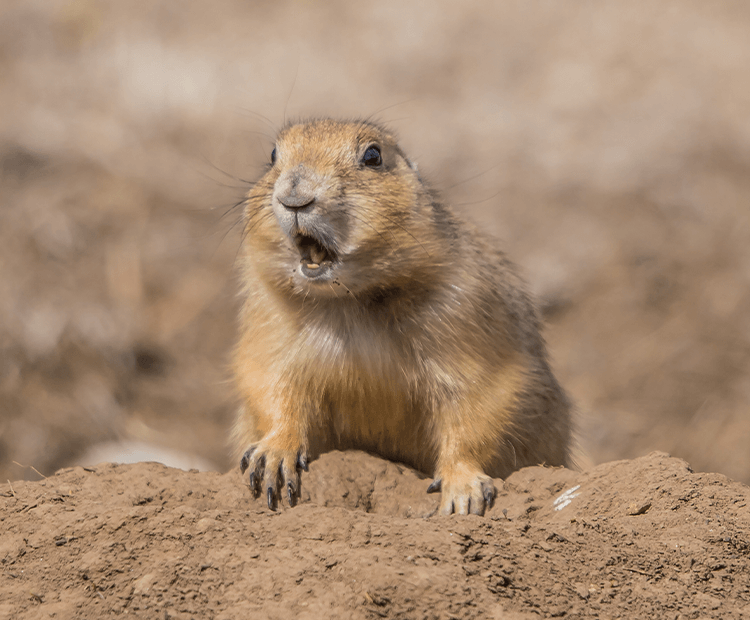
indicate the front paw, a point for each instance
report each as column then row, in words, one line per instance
column 272, row 470
column 464, row 490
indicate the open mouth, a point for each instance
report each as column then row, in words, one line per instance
column 316, row 260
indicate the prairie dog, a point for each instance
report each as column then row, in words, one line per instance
column 375, row 318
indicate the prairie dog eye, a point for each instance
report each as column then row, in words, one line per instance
column 372, row 156
column 273, row 156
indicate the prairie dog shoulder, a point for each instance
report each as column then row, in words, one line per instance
column 376, row 318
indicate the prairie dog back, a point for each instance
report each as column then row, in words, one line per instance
column 376, row 318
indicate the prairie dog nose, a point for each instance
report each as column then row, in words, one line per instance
column 295, row 188
column 295, row 199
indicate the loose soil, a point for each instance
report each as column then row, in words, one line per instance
column 641, row 538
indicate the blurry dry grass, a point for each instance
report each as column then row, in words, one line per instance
column 607, row 144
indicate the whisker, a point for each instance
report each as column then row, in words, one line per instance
column 291, row 90
column 253, row 219
column 231, row 228
column 391, row 121
column 220, row 227
column 271, row 125
column 240, row 203
column 348, row 290
column 476, row 202
column 402, row 227
column 382, row 236
column 476, row 176
column 244, row 182
column 379, row 111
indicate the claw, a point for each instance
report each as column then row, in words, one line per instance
column 266, row 479
column 302, row 461
column 435, row 486
column 245, row 460
column 476, row 506
column 448, row 509
column 489, row 497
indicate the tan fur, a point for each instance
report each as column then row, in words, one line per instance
column 420, row 344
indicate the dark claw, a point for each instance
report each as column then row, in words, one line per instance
column 435, row 486
column 254, row 484
column 245, row 460
column 291, row 492
column 271, row 498
column 489, row 497
column 302, row 461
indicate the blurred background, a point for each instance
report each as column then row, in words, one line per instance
column 606, row 144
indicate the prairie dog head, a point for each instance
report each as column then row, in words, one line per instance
column 340, row 211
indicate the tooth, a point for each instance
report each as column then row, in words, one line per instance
column 312, row 265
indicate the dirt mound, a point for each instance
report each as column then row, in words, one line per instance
column 606, row 144
column 641, row 538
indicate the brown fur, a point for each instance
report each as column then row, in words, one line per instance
column 419, row 344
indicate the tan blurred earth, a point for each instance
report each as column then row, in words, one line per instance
column 606, row 144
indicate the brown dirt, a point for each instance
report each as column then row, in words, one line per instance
column 638, row 539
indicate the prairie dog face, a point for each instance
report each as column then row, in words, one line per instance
column 340, row 211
